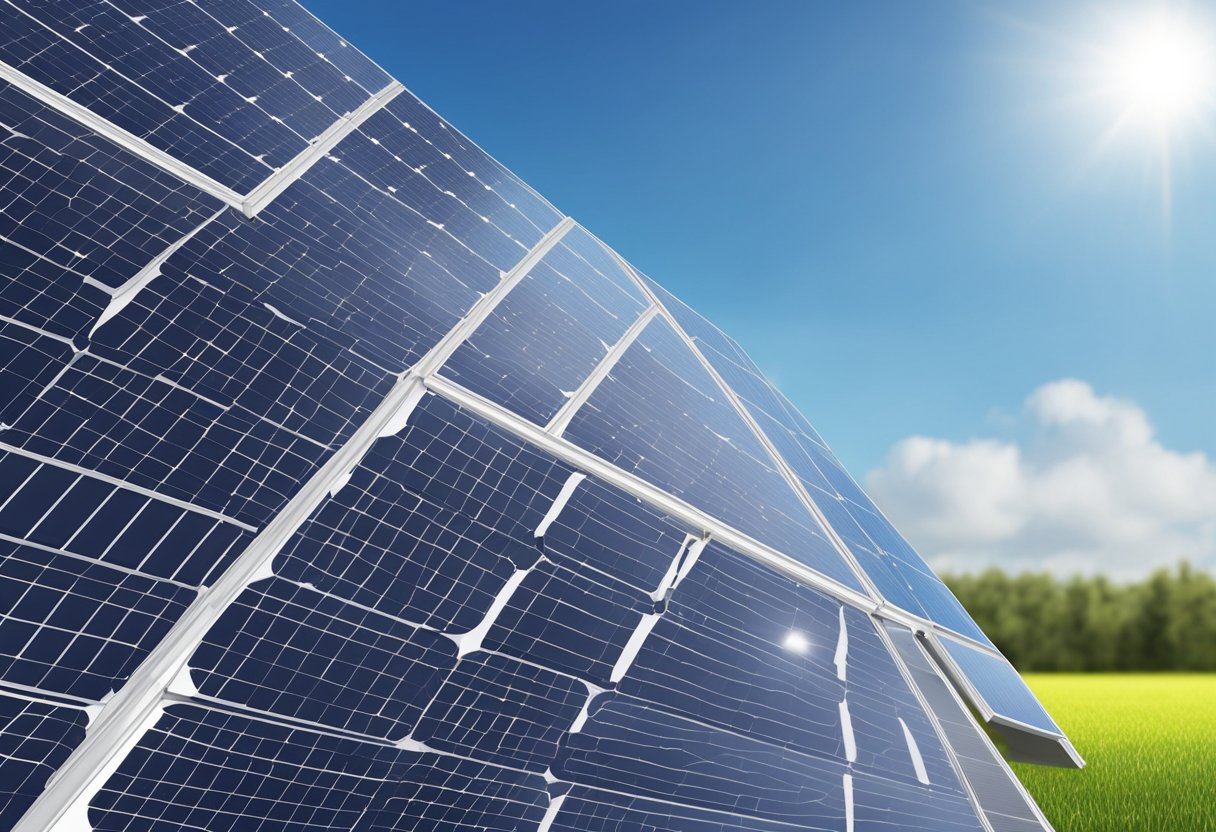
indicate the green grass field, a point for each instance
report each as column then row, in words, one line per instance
column 1149, row 742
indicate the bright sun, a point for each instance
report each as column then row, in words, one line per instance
column 1160, row 71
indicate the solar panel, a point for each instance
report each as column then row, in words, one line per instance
column 1002, row 799
column 990, row 682
column 350, row 485
column 35, row 738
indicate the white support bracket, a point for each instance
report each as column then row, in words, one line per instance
column 561, row 420
column 1053, row 747
column 277, row 182
column 126, row 140
column 430, row 363
column 631, row 484
column 126, row 715
column 248, row 204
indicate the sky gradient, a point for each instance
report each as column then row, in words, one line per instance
column 904, row 211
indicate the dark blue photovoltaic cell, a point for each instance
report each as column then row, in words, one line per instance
column 628, row 747
column 476, row 469
column 152, row 434
column 418, row 189
column 606, row 530
column 590, row 810
column 83, row 515
column 335, row 255
column 999, row 685
column 35, row 739
column 205, row 769
column 660, row 416
column 78, row 628
column 288, row 650
column 29, row 361
column 143, row 61
column 879, row 697
column 717, row 655
column 54, row 60
column 76, row 207
column 444, row 794
column 568, row 622
column 503, row 711
column 456, row 170
column 432, row 523
column 551, row 331
column 259, row 58
column 234, row 351
column 312, row 33
column 879, row 804
column 381, row 546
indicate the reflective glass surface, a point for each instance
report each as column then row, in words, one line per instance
column 439, row 621
column 999, row 685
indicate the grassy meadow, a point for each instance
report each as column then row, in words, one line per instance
column 1149, row 741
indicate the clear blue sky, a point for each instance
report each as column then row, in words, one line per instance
column 898, row 208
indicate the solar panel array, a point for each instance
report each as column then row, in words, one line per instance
column 347, row 484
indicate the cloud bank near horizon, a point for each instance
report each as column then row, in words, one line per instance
column 1087, row 488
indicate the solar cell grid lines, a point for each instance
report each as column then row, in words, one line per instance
column 347, row 484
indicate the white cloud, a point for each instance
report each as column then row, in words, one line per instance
column 1089, row 490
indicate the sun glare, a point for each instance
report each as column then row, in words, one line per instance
column 1152, row 73
column 1161, row 71
column 796, row 642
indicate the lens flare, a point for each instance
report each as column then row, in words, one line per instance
column 1160, row 70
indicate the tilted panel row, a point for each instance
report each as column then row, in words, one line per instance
column 172, row 372
column 560, row 662
column 466, row 630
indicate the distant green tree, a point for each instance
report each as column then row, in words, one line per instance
column 1043, row 623
column 1191, row 628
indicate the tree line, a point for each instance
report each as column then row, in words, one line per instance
column 1043, row 623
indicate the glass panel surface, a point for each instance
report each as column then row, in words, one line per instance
column 1000, row 796
column 1000, row 685
column 549, row 333
column 77, row 628
column 35, row 739
column 79, row 216
column 659, row 415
